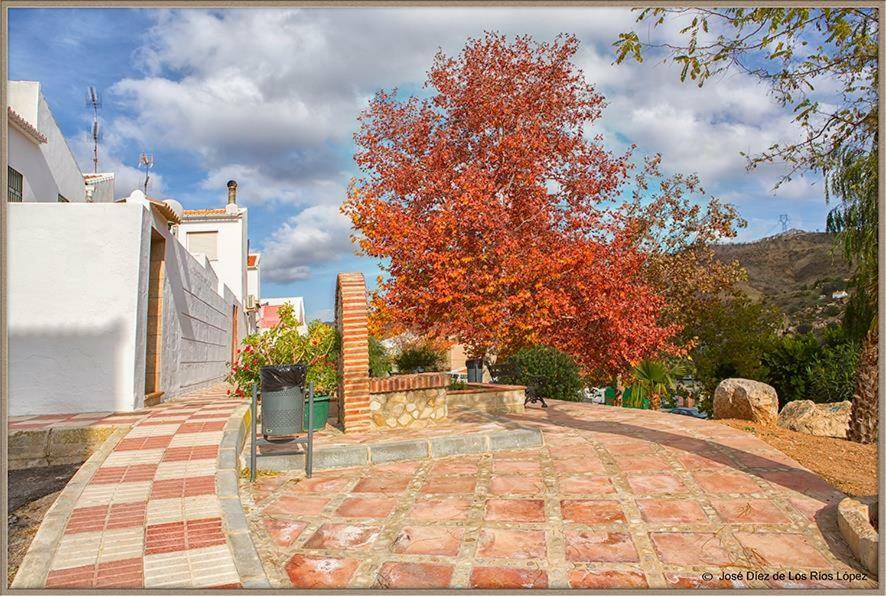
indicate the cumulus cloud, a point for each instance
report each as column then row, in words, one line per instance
column 270, row 97
column 113, row 158
column 318, row 234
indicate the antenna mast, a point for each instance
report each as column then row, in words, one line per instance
column 94, row 101
column 146, row 160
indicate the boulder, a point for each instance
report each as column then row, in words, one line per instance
column 821, row 420
column 746, row 400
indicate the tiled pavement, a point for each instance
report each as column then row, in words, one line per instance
column 615, row 498
column 150, row 516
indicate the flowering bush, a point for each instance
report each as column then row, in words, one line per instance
column 285, row 344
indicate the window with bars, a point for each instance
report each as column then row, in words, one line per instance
column 16, row 186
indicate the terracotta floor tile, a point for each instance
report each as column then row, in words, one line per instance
column 414, row 576
column 383, row 483
column 516, row 467
column 758, row 511
column 592, row 512
column 320, row 572
column 585, row 485
column 366, row 507
column 512, row 544
column 654, row 484
column 600, row 546
column 343, row 536
column 516, row 510
column 296, row 505
column 671, row 511
column 577, row 465
column 455, row 466
column 440, row 508
column 450, row 484
column 397, row 467
column 283, row 532
column 320, row 484
column 693, row 581
column 507, row 578
column 428, row 540
column 782, row 550
column 516, row 485
column 691, row 548
column 606, row 580
column 643, row 463
column 726, row 482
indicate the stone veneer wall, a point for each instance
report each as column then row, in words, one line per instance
column 351, row 311
column 495, row 399
column 408, row 401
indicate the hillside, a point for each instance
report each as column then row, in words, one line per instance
column 795, row 270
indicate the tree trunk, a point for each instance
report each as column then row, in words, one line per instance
column 619, row 391
column 864, row 422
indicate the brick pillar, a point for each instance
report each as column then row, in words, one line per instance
column 353, row 364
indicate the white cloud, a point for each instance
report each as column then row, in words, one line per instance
column 318, row 234
column 111, row 158
column 270, row 97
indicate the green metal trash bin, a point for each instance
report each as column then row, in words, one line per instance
column 283, row 399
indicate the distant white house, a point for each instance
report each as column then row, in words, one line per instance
column 840, row 295
column 221, row 235
column 269, row 312
column 41, row 166
column 253, row 279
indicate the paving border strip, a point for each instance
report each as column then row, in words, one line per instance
column 34, row 569
column 342, row 456
column 246, row 559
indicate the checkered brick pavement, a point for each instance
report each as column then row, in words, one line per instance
column 150, row 516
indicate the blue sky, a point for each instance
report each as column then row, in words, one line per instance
column 269, row 97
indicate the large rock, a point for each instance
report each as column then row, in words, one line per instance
column 746, row 400
column 821, row 420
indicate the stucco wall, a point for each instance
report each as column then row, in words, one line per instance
column 49, row 169
column 74, row 307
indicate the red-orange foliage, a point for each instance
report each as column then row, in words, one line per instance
column 500, row 224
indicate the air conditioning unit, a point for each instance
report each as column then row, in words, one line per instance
column 251, row 302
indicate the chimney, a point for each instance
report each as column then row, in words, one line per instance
column 232, row 192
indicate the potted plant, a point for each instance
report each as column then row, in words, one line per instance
column 289, row 343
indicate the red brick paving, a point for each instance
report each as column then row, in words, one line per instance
column 508, row 578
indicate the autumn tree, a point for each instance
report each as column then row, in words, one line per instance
column 500, row 223
column 797, row 52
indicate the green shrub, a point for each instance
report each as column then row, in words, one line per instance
column 787, row 361
column 284, row 344
column 379, row 359
column 832, row 373
column 419, row 358
column 562, row 378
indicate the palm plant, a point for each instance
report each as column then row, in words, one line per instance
column 654, row 379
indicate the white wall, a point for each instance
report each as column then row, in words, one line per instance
column 75, row 307
column 49, row 169
column 253, row 282
column 65, row 170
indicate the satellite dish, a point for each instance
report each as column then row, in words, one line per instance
column 175, row 206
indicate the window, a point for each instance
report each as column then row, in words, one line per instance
column 205, row 243
column 16, row 184
column 62, row 199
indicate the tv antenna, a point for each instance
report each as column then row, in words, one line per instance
column 784, row 219
column 146, row 160
column 94, row 101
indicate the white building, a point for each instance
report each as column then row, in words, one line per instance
column 107, row 309
column 253, row 279
column 221, row 236
column 123, row 317
column 41, row 166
